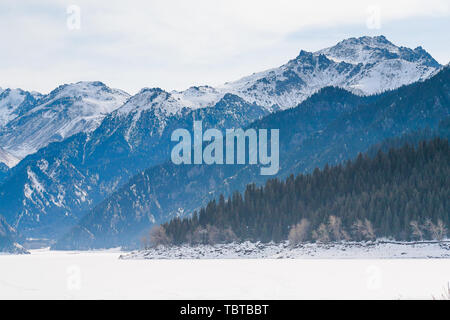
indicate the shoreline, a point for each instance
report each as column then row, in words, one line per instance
column 344, row 250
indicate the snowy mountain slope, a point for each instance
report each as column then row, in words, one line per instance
column 7, row 158
column 103, row 137
column 365, row 65
column 198, row 97
column 50, row 190
column 153, row 109
column 151, row 99
column 370, row 50
column 390, row 66
column 149, row 193
column 155, row 101
column 331, row 127
column 293, row 82
column 67, row 110
column 14, row 103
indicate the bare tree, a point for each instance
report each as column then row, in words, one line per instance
column 299, row 233
column 159, row 237
column 228, row 235
column 363, row 230
column 144, row 242
column 357, row 230
column 321, row 234
column 199, row 236
column 437, row 231
column 211, row 235
column 336, row 229
column 417, row 231
column 441, row 230
column 369, row 232
column 214, row 235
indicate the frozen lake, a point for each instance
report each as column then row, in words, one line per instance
column 101, row 275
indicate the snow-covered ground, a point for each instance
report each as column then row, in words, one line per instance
column 101, row 275
column 348, row 250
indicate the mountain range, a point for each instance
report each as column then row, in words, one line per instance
column 366, row 65
column 32, row 121
column 330, row 127
column 70, row 152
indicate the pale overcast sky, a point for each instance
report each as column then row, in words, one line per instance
column 174, row 44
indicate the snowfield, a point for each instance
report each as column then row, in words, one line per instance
column 102, row 275
column 348, row 250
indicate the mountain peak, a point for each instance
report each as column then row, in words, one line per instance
column 13, row 103
column 151, row 99
column 94, row 96
column 7, row 158
column 372, row 50
column 375, row 41
column 151, row 91
column 304, row 53
column 361, row 50
column 84, row 89
column 198, row 96
column 37, row 120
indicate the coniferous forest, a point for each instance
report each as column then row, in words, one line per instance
column 402, row 194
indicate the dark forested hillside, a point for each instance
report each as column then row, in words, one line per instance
column 403, row 193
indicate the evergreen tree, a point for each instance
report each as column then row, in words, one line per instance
column 403, row 193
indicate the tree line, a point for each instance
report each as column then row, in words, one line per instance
column 402, row 194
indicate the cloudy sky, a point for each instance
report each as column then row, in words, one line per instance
column 174, row 44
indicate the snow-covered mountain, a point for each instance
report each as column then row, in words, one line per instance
column 389, row 66
column 7, row 158
column 30, row 124
column 15, row 102
column 104, row 137
column 375, row 49
column 330, row 127
column 198, row 97
column 365, row 65
column 50, row 190
column 155, row 101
